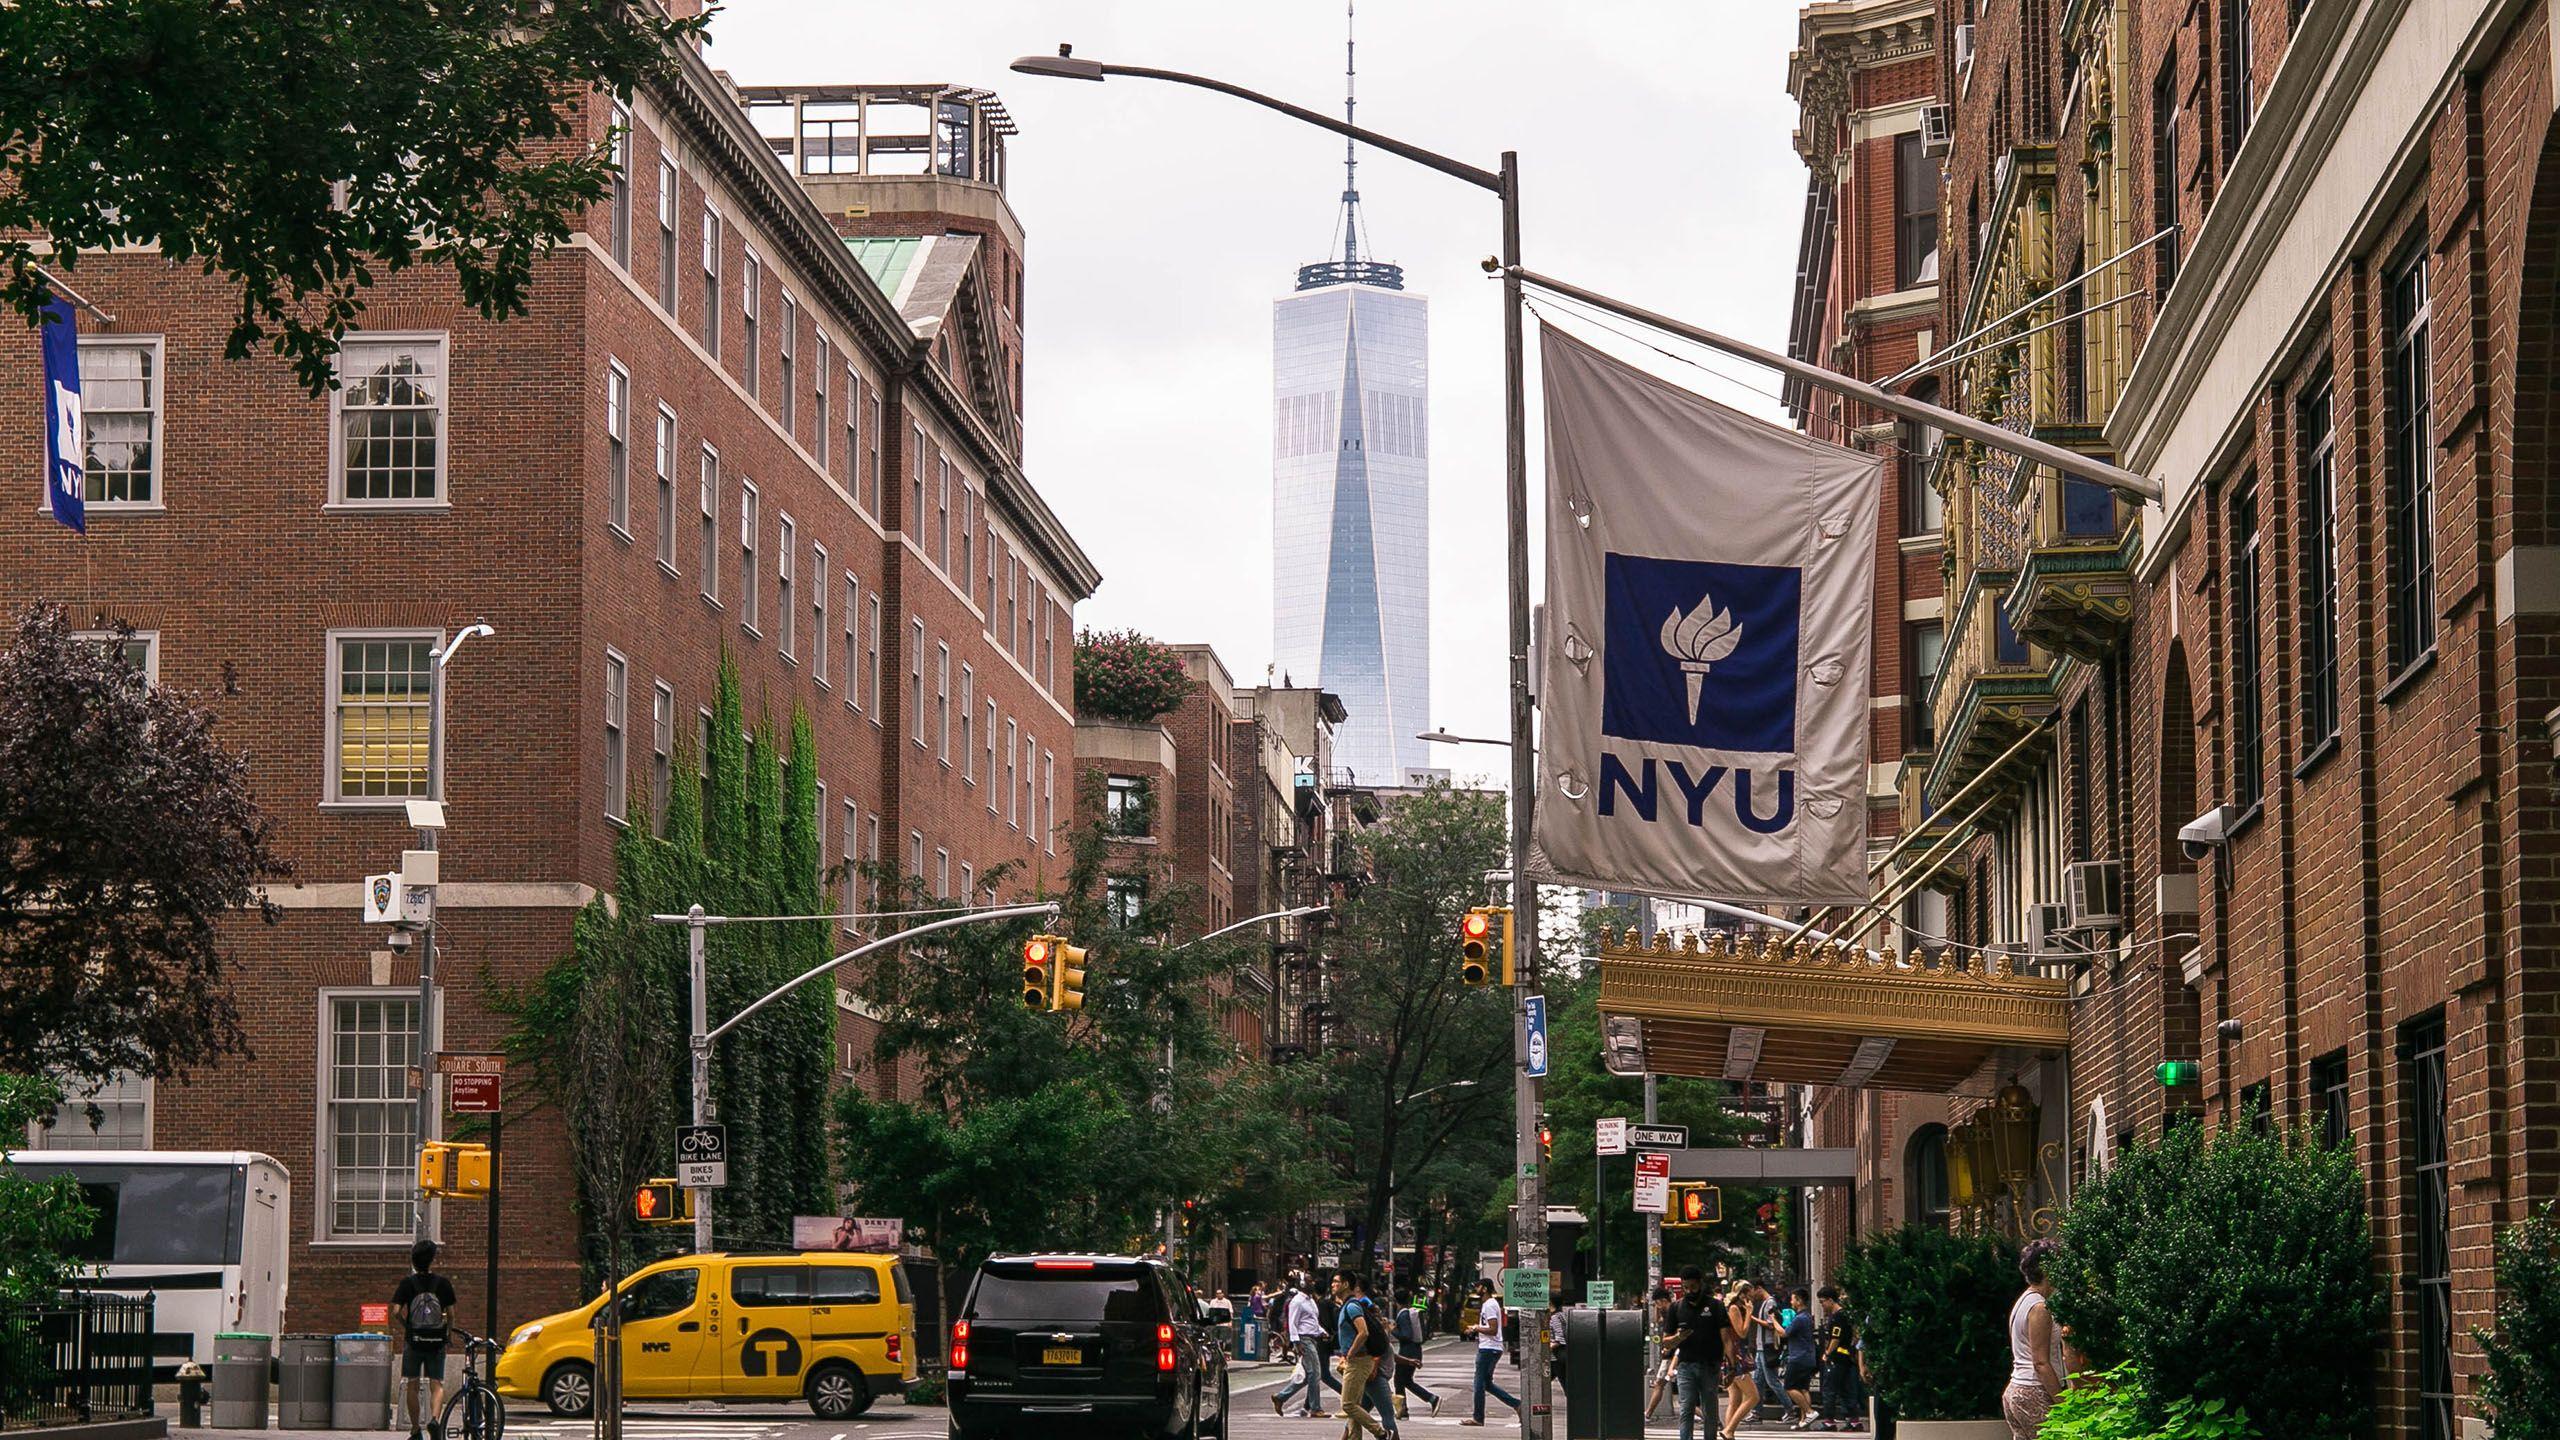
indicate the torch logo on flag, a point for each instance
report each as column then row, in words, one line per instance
column 1698, row 640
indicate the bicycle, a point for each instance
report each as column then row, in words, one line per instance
column 484, row 1416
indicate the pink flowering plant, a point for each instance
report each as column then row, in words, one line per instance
column 1122, row 675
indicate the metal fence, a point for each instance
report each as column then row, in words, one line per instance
column 74, row 1357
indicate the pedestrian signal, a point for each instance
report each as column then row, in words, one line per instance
column 661, row 1202
column 1694, row 1203
column 1036, row 954
column 1475, row 947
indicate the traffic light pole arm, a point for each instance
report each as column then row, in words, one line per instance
column 1007, row 912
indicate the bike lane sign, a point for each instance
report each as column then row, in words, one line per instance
column 702, row 1156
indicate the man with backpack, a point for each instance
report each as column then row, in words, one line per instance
column 1362, row 1334
column 1412, row 1326
column 423, row 1309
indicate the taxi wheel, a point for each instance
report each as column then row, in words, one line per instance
column 570, row 1389
column 837, row 1392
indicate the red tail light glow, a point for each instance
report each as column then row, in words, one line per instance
column 1061, row 1264
column 1164, row 1349
column 959, row 1345
column 897, row 1347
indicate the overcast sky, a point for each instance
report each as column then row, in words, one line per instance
column 1656, row 162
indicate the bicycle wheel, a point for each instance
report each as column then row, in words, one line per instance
column 483, row 1416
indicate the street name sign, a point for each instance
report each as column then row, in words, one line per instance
column 1524, row 1289
column 1613, row 1136
column 450, row 1063
column 702, row 1156
column 1658, row 1137
column 1653, row 1183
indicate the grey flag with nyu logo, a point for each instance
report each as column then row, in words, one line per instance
column 1709, row 626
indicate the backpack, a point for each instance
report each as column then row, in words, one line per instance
column 426, row 1314
column 1409, row 1326
column 1375, row 1341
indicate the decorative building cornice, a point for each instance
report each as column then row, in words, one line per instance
column 1835, row 41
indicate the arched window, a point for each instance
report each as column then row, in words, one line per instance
column 1925, row 1177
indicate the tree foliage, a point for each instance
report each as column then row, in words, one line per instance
column 1032, row 1130
column 300, row 149
column 127, row 835
column 1122, row 675
column 2235, row 1267
column 2520, row 1393
column 1936, row 1310
column 40, row 1220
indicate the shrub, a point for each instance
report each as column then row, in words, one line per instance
column 2521, row 1391
column 1936, row 1311
column 2112, row 1406
column 1122, row 675
column 2235, row 1268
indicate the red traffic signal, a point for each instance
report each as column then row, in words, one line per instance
column 1035, row 972
column 1475, row 947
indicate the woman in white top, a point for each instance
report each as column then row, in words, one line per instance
column 2035, row 1347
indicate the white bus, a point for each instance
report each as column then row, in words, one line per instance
column 204, row 1230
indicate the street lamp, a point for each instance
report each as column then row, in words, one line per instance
column 1443, row 737
column 428, row 816
column 1391, row 1177
column 1529, row 1239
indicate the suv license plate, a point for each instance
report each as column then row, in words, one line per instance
column 1057, row 1355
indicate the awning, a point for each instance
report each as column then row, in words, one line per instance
column 1818, row 1014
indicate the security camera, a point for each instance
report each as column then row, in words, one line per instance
column 398, row 939
column 2199, row 836
column 2229, row 1029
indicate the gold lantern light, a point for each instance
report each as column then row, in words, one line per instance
column 2013, row 1117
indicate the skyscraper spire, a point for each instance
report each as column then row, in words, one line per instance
column 1350, row 269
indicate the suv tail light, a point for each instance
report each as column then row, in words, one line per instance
column 959, row 1345
column 897, row 1347
column 1164, row 1349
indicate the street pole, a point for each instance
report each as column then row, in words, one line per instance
column 437, row 658
column 1652, row 1222
column 699, row 1022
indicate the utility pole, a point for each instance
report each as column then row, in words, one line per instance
column 1652, row 1222
column 698, row 1024
column 428, row 816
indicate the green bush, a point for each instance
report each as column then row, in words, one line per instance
column 2520, row 1394
column 1122, row 675
column 2235, row 1268
column 2112, row 1406
column 1936, row 1311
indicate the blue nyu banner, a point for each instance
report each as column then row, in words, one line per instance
column 66, row 445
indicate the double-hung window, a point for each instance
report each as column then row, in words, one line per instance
column 667, row 234
column 120, row 403
column 369, row 1116
column 711, row 299
column 913, row 521
column 2239, row 94
column 942, row 702
column 853, row 436
column 942, row 508
column 666, row 464
column 968, row 535
column 789, row 375
column 2314, row 422
column 617, row 446
column 1915, row 214
column 389, row 409
column 2248, row 730
column 819, row 427
column 750, row 519
column 620, row 152
column 786, row 599
column 874, row 427
column 751, row 311
column 871, row 654
column 380, row 716
column 1012, row 793
column 707, row 526
column 662, row 753
column 990, row 742
column 1049, row 803
column 818, row 614
column 915, row 680
column 968, row 723
column 1030, row 771
column 617, row 693
column 852, row 645
column 2409, row 545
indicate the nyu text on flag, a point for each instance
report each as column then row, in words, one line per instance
column 1709, row 610
column 66, row 444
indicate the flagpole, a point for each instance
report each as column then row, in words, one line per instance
column 54, row 282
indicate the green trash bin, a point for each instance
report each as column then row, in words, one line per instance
column 240, row 1362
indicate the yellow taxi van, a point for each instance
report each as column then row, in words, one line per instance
column 837, row 1330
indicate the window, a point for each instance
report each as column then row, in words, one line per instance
column 390, row 421
column 2409, row 443
column 702, row 759
column 617, row 689
column 942, row 508
column 968, row 536
column 873, row 428
column 751, row 310
column 1924, row 511
column 789, row 374
column 1124, row 901
column 850, row 871
column 708, row 560
column 711, row 280
column 1915, row 214
column 662, row 754
column 968, row 881
column 2248, row 738
column 871, row 655
column 2239, row 99
column 915, row 855
column 990, row 609
column 369, row 1117
column 1049, row 800
column 120, row 403
column 1030, row 766
column 1012, row 792
column 968, row 724
column 819, row 427
column 617, row 447
column 749, row 521
column 379, row 720
column 871, row 857
column 991, row 757
column 785, row 602
column 1124, row 806
column 2319, row 585
column 852, row 650
column 667, row 234
column 668, row 1292
column 1927, row 649
column 2330, row 1103
column 915, row 680
column 942, row 702
column 818, row 613
column 620, row 151
column 2430, row 1221
column 853, row 434
column 114, row 1114
column 1926, row 1170
column 913, row 521
column 666, row 468
column 2164, row 176
column 941, row 874
column 763, row 1286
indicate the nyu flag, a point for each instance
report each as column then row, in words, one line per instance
column 66, row 445
column 1710, row 598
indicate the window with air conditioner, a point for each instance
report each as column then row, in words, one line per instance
column 2093, row 895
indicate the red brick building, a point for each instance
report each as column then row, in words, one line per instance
column 724, row 427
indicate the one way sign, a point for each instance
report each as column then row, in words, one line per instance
column 702, row 1156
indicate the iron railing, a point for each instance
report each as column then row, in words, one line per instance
column 73, row 1358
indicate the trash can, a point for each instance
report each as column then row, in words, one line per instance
column 1249, row 1340
column 240, row 1360
column 1604, row 1384
column 302, row 1382
column 360, row 1382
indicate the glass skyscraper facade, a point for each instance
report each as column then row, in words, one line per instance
column 1350, row 509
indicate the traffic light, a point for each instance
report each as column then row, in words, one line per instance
column 1036, row 954
column 1066, row 975
column 1546, row 1140
column 2174, row 1073
column 448, row 1168
column 662, row 1202
column 1475, row 947
column 1694, row 1203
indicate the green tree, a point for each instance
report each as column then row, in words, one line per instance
column 1935, row 1307
column 300, row 151
column 2521, row 1391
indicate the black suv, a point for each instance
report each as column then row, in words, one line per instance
column 1113, row 1343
